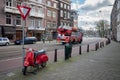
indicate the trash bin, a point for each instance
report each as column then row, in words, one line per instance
column 68, row 50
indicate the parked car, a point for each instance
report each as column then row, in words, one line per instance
column 27, row 40
column 4, row 41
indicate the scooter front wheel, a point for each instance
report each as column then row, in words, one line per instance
column 43, row 64
column 24, row 70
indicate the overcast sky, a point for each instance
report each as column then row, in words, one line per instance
column 92, row 10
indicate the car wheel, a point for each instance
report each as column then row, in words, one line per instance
column 6, row 44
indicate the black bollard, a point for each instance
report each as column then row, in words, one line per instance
column 96, row 47
column 55, row 56
column 80, row 50
column 88, row 48
column 103, row 44
column 100, row 44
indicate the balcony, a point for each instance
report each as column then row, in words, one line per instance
column 35, row 28
column 11, row 10
column 33, row 14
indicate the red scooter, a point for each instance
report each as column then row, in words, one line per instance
column 34, row 58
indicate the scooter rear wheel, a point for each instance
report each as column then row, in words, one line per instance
column 24, row 70
column 43, row 64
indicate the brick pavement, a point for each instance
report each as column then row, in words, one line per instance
column 103, row 64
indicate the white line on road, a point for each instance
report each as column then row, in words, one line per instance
column 10, row 59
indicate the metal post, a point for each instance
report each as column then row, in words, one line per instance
column 103, row 43
column 88, row 48
column 96, row 47
column 55, row 57
column 23, row 34
column 80, row 50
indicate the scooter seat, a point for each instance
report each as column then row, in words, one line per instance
column 39, row 52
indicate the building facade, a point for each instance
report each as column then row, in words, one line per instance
column 64, row 13
column 11, row 21
column 43, row 20
column 51, row 19
column 115, row 21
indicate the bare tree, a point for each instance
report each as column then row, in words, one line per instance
column 102, row 27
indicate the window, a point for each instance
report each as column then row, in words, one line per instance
column 32, row 23
column 55, row 5
column 68, row 7
column 39, row 23
column 36, row 9
column 64, row 6
column 61, row 4
column 68, row 15
column 18, row 20
column 61, row 13
column 39, row 1
column 8, row 19
column 54, row 25
column 49, row 3
column 33, row 9
column 40, row 10
column 65, row 15
column 8, row 2
column 48, row 24
column 49, row 13
column 18, row 2
column 54, row 14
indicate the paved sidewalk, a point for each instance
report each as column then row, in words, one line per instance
column 103, row 64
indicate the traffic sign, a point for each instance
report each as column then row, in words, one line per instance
column 24, row 11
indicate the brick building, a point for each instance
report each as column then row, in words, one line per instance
column 64, row 13
column 44, row 18
column 51, row 18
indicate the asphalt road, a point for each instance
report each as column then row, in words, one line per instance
column 14, row 51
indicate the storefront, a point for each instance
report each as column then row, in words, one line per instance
column 37, row 32
column 8, row 31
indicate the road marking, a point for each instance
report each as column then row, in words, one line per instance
column 10, row 59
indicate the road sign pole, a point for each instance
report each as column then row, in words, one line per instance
column 24, row 11
column 23, row 34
